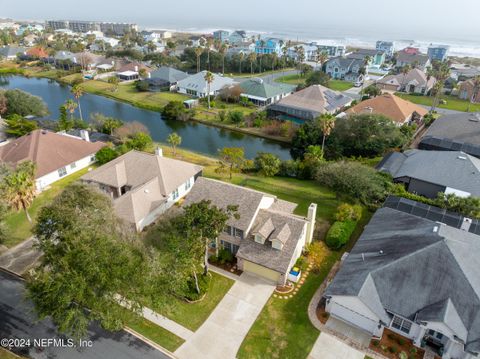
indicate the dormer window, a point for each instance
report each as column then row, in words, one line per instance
column 259, row 239
column 276, row 244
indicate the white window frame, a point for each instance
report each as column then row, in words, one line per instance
column 401, row 324
column 62, row 172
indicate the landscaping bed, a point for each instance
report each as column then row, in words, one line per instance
column 392, row 345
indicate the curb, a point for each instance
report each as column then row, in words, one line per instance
column 149, row 342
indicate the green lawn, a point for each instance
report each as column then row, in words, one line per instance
column 339, row 85
column 156, row 334
column 247, row 75
column 295, row 79
column 5, row 354
column 17, row 224
column 192, row 315
column 453, row 103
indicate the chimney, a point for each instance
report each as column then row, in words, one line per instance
column 312, row 213
column 159, row 152
column 84, row 135
column 136, row 68
column 149, row 75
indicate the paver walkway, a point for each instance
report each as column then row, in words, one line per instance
column 20, row 258
column 221, row 335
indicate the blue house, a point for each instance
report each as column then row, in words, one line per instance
column 237, row 37
column 269, row 46
column 221, row 35
column 386, row 46
column 439, row 52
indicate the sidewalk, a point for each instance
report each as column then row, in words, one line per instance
column 20, row 258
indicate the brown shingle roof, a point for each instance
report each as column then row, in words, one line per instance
column 389, row 105
column 48, row 150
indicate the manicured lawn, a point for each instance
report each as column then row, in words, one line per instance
column 247, row 75
column 453, row 103
column 339, row 85
column 17, row 224
column 192, row 315
column 295, row 79
column 156, row 334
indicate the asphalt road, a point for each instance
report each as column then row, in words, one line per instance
column 18, row 321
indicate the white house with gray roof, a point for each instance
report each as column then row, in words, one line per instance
column 415, row 276
column 195, row 85
column 143, row 185
column 267, row 238
column 429, row 172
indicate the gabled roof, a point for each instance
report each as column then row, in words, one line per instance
column 259, row 88
column 316, row 98
column 415, row 263
column 197, row 82
column 410, row 58
column 168, row 74
column 48, row 150
column 8, row 51
column 346, row 62
column 394, row 107
column 416, row 76
column 460, row 127
column 152, row 179
column 452, row 169
column 37, row 51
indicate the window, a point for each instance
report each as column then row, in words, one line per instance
column 238, row 233
column 62, row 172
column 232, row 248
column 188, row 184
column 175, row 194
column 73, row 166
column 228, row 230
column 93, row 158
column 401, row 324
column 259, row 239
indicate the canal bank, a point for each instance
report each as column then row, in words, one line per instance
column 196, row 136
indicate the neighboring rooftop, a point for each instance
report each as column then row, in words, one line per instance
column 453, row 169
column 259, row 88
column 48, row 150
column 168, row 74
column 394, row 107
column 414, row 76
column 197, row 82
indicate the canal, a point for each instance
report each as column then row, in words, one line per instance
column 196, row 137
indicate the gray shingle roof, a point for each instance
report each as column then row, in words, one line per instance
column 197, row 82
column 8, row 51
column 408, row 264
column 259, row 88
column 461, row 127
column 452, row 169
column 168, row 74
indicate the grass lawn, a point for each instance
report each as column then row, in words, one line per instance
column 18, row 227
column 295, row 79
column 453, row 103
column 156, row 334
column 192, row 315
column 339, row 85
column 5, row 354
column 247, row 75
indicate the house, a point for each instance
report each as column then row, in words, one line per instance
column 143, row 185
column 455, row 132
column 221, row 35
column 195, row 85
column 462, row 72
column 438, row 53
column 165, row 77
column 413, row 271
column 386, row 46
column 244, row 48
column 198, row 41
column 131, row 71
column 264, row 94
column 11, row 52
column 400, row 111
column 237, row 37
column 310, row 52
column 429, row 172
column 30, row 40
column 377, row 57
column 468, row 90
column 269, row 46
column 55, row 155
column 37, row 52
column 332, row 51
column 128, row 75
column 266, row 238
column 309, row 103
column 342, row 68
column 414, row 81
column 412, row 58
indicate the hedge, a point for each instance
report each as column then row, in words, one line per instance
column 339, row 233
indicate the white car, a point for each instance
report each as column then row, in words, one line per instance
column 358, row 83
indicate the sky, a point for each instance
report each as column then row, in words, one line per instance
column 405, row 19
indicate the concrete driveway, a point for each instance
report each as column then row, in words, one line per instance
column 20, row 258
column 329, row 347
column 223, row 332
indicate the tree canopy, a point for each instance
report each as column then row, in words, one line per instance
column 24, row 104
column 18, row 126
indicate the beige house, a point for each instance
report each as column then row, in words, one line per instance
column 415, row 81
column 267, row 238
column 468, row 91
column 143, row 185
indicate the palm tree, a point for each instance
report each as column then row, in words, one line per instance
column 429, row 73
column 174, row 140
column 18, row 187
column 223, row 51
column 327, row 123
column 442, row 73
column 252, row 58
column 476, row 89
column 70, row 105
column 322, row 57
column 198, row 53
column 77, row 92
column 366, row 63
column 405, row 70
column 241, row 56
column 151, row 47
column 209, row 47
column 209, row 79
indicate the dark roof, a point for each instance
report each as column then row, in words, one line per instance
column 259, row 88
column 404, row 264
column 168, row 74
column 460, row 127
column 405, row 57
column 453, row 169
column 18, row 320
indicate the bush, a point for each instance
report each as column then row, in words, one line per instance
column 347, row 212
column 106, row 154
column 403, row 355
column 236, row 117
column 391, row 336
column 301, row 263
column 141, row 86
column 392, row 350
column 222, row 115
column 225, row 256
column 375, row 343
column 339, row 233
column 401, row 341
column 191, row 292
column 173, row 110
column 267, row 164
column 289, row 168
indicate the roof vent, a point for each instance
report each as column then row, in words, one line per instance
column 435, row 229
column 462, row 158
column 146, row 190
column 380, row 251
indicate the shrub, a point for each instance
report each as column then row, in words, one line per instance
column 413, row 351
column 106, row 154
column 403, row 355
column 401, row 341
column 339, row 233
column 346, row 212
column 225, row 256
column 173, row 110
column 392, row 350
column 267, row 164
column 289, row 168
column 317, row 252
column 375, row 343
column 236, row 117
column 391, row 336
column 141, row 86
column 222, row 115
column 301, row 263
column 191, row 293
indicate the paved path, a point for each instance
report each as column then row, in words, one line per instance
column 329, row 347
column 170, row 325
column 221, row 335
column 20, row 258
column 224, row 272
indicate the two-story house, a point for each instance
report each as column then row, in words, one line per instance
column 386, row 46
column 342, row 68
column 221, row 35
column 265, row 236
column 268, row 46
column 377, row 57
column 143, row 185
column 237, row 37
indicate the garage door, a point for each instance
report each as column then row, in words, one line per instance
column 260, row 271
